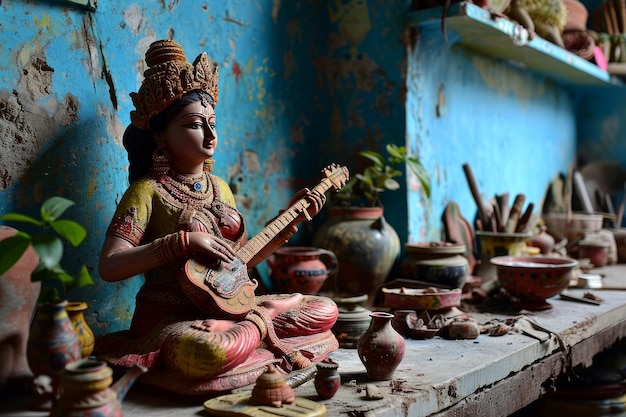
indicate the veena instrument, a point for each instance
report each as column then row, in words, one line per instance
column 224, row 289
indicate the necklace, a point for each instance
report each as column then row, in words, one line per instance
column 188, row 187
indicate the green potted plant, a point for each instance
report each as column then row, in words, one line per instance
column 49, row 247
column 366, row 246
column 53, row 335
column 364, row 188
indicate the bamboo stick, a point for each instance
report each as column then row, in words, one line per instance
column 621, row 8
column 607, row 17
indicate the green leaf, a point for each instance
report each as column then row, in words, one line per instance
column 12, row 249
column 54, row 207
column 49, row 248
column 48, row 295
column 17, row 217
column 84, row 278
column 391, row 184
column 43, row 273
column 378, row 159
column 70, row 231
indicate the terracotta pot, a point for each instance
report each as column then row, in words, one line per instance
column 76, row 312
column 366, row 247
column 18, row 296
column 327, row 379
column 596, row 251
column 544, row 241
column 302, row 269
column 381, row 348
column 577, row 15
column 531, row 280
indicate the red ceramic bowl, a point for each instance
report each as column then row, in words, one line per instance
column 532, row 280
column 420, row 299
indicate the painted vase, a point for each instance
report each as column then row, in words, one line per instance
column 366, row 247
column 52, row 342
column 327, row 379
column 88, row 390
column 381, row 348
column 76, row 312
column 302, row 269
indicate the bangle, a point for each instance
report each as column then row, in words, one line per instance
column 171, row 248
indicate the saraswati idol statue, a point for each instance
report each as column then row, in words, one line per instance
column 198, row 326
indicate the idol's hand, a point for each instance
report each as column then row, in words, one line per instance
column 211, row 246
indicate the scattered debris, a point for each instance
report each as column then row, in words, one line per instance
column 372, row 392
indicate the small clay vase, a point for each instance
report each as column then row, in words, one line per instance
column 327, row 379
column 381, row 348
column 301, row 269
column 76, row 312
column 544, row 241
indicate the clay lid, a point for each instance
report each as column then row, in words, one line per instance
column 435, row 248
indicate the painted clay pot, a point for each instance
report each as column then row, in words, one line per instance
column 76, row 312
column 498, row 244
column 436, row 262
column 52, row 342
column 88, row 390
column 353, row 320
column 381, row 348
column 366, row 247
column 327, row 379
column 301, row 269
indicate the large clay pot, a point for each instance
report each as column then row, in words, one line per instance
column 301, row 269
column 366, row 247
column 381, row 348
column 18, row 296
column 76, row 312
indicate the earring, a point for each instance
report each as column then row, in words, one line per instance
column 160, row 162
column 208, row 165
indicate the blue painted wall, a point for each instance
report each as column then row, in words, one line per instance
column 302, row 84
column 515, row 129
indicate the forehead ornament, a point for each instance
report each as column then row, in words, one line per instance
column 168, row 77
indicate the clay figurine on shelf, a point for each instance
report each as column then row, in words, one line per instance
column 545, row 18
column 198, row 326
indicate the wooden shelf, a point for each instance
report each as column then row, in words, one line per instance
column 480, row 31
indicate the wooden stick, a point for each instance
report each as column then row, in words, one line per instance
column 516, row 212
column 482, row 214
column 607, row 17
column 620, row 5
column 613, row 15
column 525, row 218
